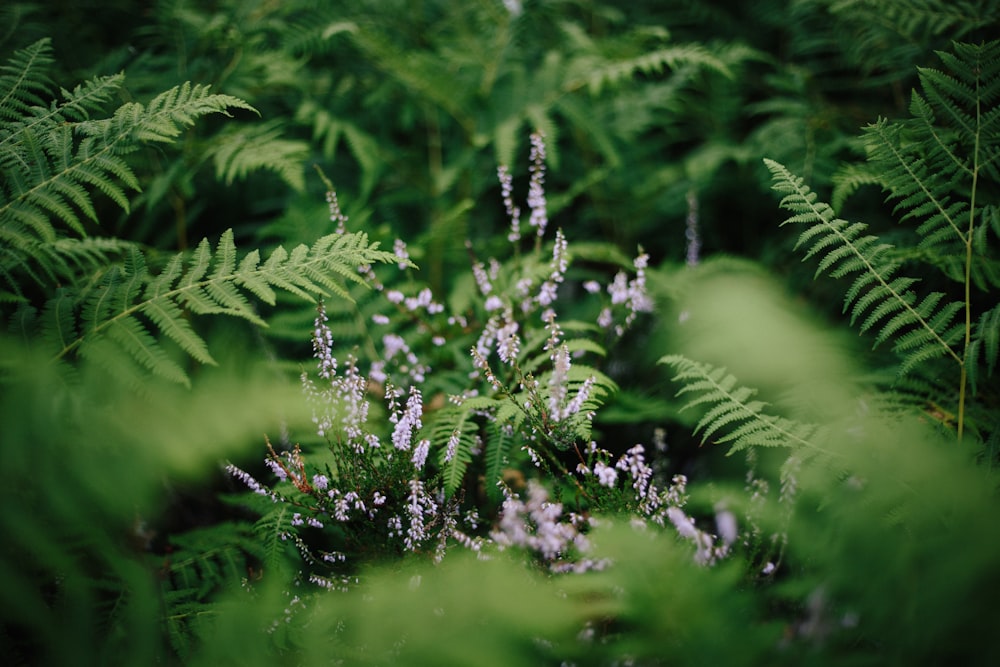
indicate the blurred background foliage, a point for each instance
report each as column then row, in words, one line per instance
column 121, row 543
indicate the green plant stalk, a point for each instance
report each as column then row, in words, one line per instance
column 963, row 380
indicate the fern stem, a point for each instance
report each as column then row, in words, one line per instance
column 963, row 380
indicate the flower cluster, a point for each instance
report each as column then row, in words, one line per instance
column 539, row 526
column 660, row 505
column 525, row 395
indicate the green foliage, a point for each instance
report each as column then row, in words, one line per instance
column 120, row 307
column 939, row 168
column 107, row 306
column 453, row 426
column 87, row 463
column 53, row 154
column 733, row 408
column 858, row 532
column 920, row 330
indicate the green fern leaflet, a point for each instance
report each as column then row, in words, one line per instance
column 921, row 329
column 128, row 304
column 732, row 411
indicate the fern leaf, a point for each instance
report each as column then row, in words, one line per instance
column 877, row 296
column 23, row 82
column 918, row 184
column 597, row 73
column 272, row 531
column 53, row 155
column 132, row 338
column 985, row 345
column 169, row 319
column 128, row 304
column 732, row 411
column 242, row 151
column 455, row 427
column 164, row 118
column 58, row 320
column 499, row 445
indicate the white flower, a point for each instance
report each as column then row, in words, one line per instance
column 606, row 475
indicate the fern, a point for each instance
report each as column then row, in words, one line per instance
column 924, row 164
column 730, row 409
column 272, row 531
column 922, row 330
column 499, row 445
column 596, row 73
column 455, row 429
column 935, row 167
column 128, row 304
column 242, row 151
column 54, row 154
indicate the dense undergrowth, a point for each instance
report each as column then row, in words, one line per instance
column 492, row 333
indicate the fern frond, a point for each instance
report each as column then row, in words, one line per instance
column 53, row 155
column 931, row 165
column 920, row 184
column 597, row 73
column 162, row 119
column 455, row 430
column 499, row 445
column 877, row 296
column 23, row 80
column 242, row 151
column 58, row 321
column 731, row 409
column 128, row 303
column 271, row 532
column 985, row 344
column 848, row 179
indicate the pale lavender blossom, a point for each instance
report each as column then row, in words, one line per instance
column 514, row 7
column 400, row 251
column 547, row 293
column 618, row 288
column 321, row 482
column 513, row 212
column 555, row 331
column 560, row 262
column 508, row 342
column 606, row 475
column 420, row 453
column 276, row 468
column 582, row 395
column 323, row 344
column 493, row 303
column 605, row 319
column 558, row 389
column 408, row 422
column 452, row 446
column 592, row 286
column 419, row 508
column 538, row 525
column 691, row 229
column 424, row 299
column 335, row 214
column 634, row 463
column 249, row 481
column 725, row 524
column 482, row 279
column 536, row 186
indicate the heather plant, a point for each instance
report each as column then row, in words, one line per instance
column 479, row 466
